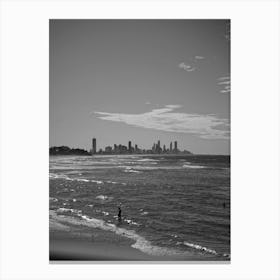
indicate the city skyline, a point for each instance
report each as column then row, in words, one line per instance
column 156, row 148
column 131, row 148
column 141, row 80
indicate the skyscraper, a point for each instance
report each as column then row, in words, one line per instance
column 175, row 146
column 93, row 151
column 129, row 146
column 158, row 147
column 170, row 147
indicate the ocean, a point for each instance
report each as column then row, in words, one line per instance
column 172, row 205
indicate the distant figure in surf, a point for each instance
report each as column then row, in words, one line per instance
column 120, row 213
column 224, row 205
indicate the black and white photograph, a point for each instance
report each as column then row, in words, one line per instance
column 139, row 140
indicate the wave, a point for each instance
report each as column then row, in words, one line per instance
column 141, row 167
column 148, row 160
column 201, row 248
column 140, row 242
column 130, row 170
column 65, row 177
column 98, row 182
column 68, row 210
column 193, row 166
column 143, row 212
column 111, row 182
column 105, row 197
column 131, row 222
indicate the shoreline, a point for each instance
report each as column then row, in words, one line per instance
column 79, row 243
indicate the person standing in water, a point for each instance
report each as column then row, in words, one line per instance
column 119, row 213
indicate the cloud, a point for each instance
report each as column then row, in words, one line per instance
column 224, row 84
column 191, row 64
column 186, row 67
column 165, row 119
column 223, row 78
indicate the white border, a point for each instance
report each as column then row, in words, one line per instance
column 255, row 138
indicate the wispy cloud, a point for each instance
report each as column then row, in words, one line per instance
column 186, row 67
column 191, row 64
column 165, row 119
column 224, row 84
column 198, row 57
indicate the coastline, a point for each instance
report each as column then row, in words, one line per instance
column 74, row 243
column 80, row 243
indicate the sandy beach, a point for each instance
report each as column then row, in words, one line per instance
column 76, row 242
column 69, row 242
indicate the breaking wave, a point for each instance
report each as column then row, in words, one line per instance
column 140, row 242
column 65, row 177
column 193, row 166
column 201, row 248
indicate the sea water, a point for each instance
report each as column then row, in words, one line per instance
column 171, row 204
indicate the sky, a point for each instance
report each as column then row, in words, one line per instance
column 140, row 81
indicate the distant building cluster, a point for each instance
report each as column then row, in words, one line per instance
column 134, row 149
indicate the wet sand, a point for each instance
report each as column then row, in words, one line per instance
column 68, row 247
column 74, row 243
column 68, row 242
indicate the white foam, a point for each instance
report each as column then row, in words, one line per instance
column 82, row 180
column 148, row 160
column 131, row 222
column 141, row 167
column 193, row 166
column 199, row 247
column 104, row 197
column 63, row 210
column 65, row 177
column 140, row 242
column 131, row 171
column 97, row 182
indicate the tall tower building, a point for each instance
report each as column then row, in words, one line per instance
column 170, row 149
column 129, row 146
column 175, row 146
column 93, row 151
